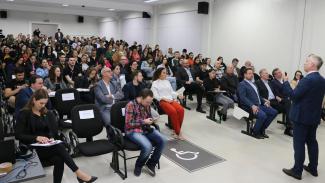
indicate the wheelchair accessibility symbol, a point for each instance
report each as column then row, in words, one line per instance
column 179, row 154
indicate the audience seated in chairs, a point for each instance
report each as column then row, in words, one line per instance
column 133, row 66
column 43, row 71
column 294, row 82
column 14, row 86
column 186, row 76
column 71, row 72
column 36, row 83
column 148, row 68
column 55, row 81
column 212, row 84
column 252, row 102
column 170, row 75
column 229, row 83
column 106, row 94
column 167, row 98
column 88, row 81
column 38, row 125
column 277, row 86
column 138, row 121
column 118, row 78
column 132, row 89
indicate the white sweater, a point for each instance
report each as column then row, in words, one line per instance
column 163, row 89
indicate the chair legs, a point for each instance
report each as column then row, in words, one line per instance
column 212, row 113
column 249, row 127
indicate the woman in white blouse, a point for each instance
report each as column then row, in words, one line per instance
column 167, row 97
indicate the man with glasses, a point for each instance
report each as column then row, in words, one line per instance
column 106, row 94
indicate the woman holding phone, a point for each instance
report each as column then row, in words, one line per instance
column 36, row 124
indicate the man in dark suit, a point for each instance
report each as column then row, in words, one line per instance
column 267, row 93
column 277, row 87
column 252, row 102
column 59, row 35
column 186, row 77
column 305, row 113
column 229, row 82
column 36, row 83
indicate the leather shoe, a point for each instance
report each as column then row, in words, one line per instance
column 290, row 172
column 264, row 135
column 315, row 174
column 288, row 132
column 200, row 110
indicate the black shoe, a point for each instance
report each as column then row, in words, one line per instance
column 224, row 117
column 200, row 110
column 190, row 97
column 137, row 171
column 258, row 136
column 92, row 179
column 315, row 174
column 151, row 170
column 291, row 173
column 264, row 135
column 288, row 132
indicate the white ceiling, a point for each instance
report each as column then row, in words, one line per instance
column 92, row 7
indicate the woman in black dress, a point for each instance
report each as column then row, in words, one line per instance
column 36, row 124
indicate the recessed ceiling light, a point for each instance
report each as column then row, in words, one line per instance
column 65, row 5
column 111, row 9
column 10, row 0
column 150, row 1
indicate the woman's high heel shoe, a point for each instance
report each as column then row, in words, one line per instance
column 93, row 179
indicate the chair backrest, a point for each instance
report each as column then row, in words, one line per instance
column 117, row 116
column 65, row 100
column 86, row 120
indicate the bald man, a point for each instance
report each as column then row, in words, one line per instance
column 305, row 114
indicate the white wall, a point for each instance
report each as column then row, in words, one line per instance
column 264, row 31
column 108, row 28
column 314, row 34
column 20, row 22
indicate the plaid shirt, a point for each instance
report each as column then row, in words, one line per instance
column 135, row 113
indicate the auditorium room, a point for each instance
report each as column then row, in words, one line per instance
column 228, row 91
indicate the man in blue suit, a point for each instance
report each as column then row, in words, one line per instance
column 36, row 83
column 305, row 114
column 252, row 102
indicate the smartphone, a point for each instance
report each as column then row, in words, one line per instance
column 285, row 73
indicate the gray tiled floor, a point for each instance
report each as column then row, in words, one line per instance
column 248, row 160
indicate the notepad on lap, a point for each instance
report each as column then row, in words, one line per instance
column 54, row 142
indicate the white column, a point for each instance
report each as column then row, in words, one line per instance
column 154, row 26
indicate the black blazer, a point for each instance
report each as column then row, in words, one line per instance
column 262, row 90
column 229, row 83
column 27, row 128
column 277, row 87
column 182, row 77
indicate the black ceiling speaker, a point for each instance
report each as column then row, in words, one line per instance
column 3, row 14
column 145, row 15
column 80, row 19
column 203, row 8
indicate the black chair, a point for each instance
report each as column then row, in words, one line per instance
column 250, row 121
column 155, row 105
column 87, row 123
column 214, row 106
column 65, row 100
column 118, row 136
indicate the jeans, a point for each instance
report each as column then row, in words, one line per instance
column 225, row 101
column 150, row 144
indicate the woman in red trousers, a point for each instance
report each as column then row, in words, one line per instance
column 167, row 97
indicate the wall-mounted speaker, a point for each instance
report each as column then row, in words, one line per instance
column 145, row 15
column 80, row 19
column 3, row 14
column 203, row 8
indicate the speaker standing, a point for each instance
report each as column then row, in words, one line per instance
column 305, row 114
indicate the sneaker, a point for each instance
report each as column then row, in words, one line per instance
column 151, row 170
column 137, row 171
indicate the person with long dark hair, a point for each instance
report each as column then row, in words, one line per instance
column 55, row 81
column 167, row 97
column 38, row 125
column 298, row 76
